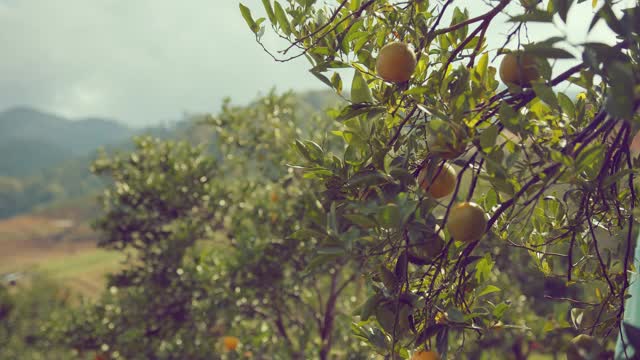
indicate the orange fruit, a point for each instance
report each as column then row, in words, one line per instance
column 230, row 342
column 518, row 69
column 425, row 355
column 440, row 183
column 274, row 196
column 396, row 62
column 467, row 222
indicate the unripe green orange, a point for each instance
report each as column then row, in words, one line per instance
column 467, row 222
column 396, row 62
column 519, row 69
column 440, row 183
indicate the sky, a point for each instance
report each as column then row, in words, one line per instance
column 146, row 62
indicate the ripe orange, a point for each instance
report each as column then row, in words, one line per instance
column 230, row 342
column 467, row 222
column 274, row 196
column 425, row 355
column 440, row 183
column 396, row 62
column 519, row 69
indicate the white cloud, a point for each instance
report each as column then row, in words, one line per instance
column 140, row 61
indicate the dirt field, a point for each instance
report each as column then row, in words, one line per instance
column 58, row 247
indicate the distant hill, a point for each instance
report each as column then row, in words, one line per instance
column 45, row 158
column 32, row 140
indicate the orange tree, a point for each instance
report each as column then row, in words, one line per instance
column 213, row 254
column 551, row 176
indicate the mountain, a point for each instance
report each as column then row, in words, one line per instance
column 32, row 140
column 45, row 158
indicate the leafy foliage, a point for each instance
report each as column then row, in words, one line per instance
column 214, row 249
column 555, row 174
column 22, row 311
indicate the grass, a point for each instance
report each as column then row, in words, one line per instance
column 61, row 247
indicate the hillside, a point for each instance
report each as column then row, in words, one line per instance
column 46, row 158
column 31, row 140
column 78, row 136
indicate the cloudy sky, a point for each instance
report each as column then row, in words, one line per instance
column 149, row 61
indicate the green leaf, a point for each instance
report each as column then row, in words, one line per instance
column 606, row 13
column 536, row 15
column 563, row 7
column 360, row 91
column 389, row 216
column 620, row 102
column 314, row 150
column 367, row 178
column 488, row 138
column 302, row 149
column 269, row 10
column 336, row 82
column 509, row 118
column 483, row 268
column 361, row 220
column 499, row 310
column 483, row 65
column 545, row 93
column 354, row 110
column 246, row 14
column 589, row 157
column 545, row 51
column 609, row 180
column 283, row 21
column 488, row 290
column 367, row 308
column 389, row 279
column 401, row 267
column 567, row 105
column 322, row 78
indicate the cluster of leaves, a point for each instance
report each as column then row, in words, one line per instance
column 555, row 174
